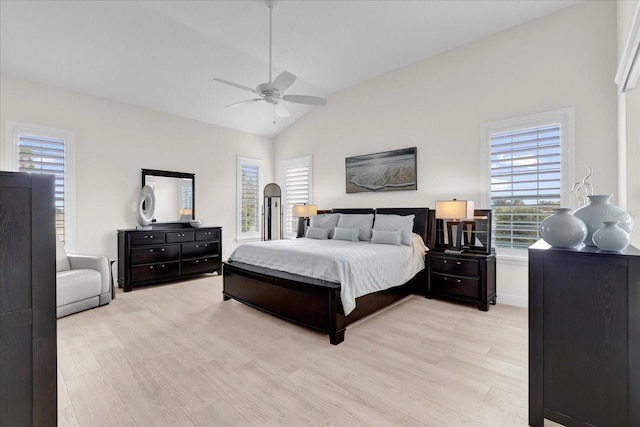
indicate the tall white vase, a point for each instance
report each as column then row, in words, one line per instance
column 600, row 210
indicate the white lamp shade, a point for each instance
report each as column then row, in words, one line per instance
column 304, row 211
column 454, row 209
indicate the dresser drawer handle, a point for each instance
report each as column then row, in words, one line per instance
column 458, row 263
column 148, row 237
column 445, row 261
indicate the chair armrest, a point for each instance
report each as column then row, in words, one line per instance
column 98, row 263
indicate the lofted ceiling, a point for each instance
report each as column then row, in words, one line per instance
column 163, row 55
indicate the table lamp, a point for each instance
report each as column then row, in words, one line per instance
column 303, row 212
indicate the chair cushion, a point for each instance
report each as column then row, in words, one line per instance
column 76, row 285
column 62, row 262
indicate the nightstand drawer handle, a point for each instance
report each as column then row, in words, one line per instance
column 446, row 279
column 458, row 263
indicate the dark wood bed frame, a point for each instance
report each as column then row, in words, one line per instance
column 315, row 303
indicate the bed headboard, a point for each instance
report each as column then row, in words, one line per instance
column 424, row 218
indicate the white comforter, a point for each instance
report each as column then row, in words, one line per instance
column 360, row 267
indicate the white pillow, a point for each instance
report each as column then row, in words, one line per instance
column 386, row 237
column 350, row 234
column 360, row 221
column 317, row 233
column 329, row 221
column 392, row 222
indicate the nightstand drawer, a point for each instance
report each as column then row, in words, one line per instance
column 456, row 285
column 457, row 266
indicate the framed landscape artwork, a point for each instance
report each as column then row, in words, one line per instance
column 387, row 171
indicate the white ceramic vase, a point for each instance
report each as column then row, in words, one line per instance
column 563, row 230
column 611, row 237
column 600, row 210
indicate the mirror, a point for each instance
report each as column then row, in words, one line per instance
column 174, row 195
column 272, row 213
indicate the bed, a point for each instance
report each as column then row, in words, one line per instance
column 316, row 303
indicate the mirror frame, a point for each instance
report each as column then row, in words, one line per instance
column 170, row 174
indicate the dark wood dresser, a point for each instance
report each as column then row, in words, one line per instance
column 584, row 336
column 469, row 277
column 160, row 255
column 28, row 377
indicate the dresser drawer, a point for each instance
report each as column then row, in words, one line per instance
column 151, row 254
column 456, row 285
column 180, row 236
column 150, row 238
column 201, row 265
column 201, row 249
column 207, row 235
column 161, row 271
column 458, row 266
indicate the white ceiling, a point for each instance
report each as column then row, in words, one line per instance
column 163, row 55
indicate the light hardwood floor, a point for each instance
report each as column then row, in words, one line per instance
column 176, row 354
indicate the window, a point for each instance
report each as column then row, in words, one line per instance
column 528, row 172
column 249, row 190
column 44, row 150
column 297, row 190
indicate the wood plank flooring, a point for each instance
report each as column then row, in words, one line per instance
column 177, row 355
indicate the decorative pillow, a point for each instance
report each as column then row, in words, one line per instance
column 317, row 233
column 403, row 223
column 350, row 234
column 386, row 237
column 329, row 221
column 361, row 221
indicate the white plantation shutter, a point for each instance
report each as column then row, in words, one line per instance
column 297, row 190
column 527, row 165
column 39, row 149
column 249, row 191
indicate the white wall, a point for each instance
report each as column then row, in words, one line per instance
column 564, row 60
column 115, row 141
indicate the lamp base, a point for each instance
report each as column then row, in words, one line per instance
column 302, row 227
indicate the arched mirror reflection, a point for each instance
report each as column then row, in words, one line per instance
column 272, row 213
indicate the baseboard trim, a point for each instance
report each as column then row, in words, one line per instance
column 516, row 300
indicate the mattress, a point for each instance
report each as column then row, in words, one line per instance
column 360, row 267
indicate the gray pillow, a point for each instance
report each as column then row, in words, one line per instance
column 317, row 233
column 329, row 221
column 403, row 223
column 350, row 234
column 385, row 237
column 361, row 221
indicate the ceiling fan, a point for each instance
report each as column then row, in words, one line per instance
column 273, row 91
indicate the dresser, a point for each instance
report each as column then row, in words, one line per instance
column 584, row 336
column 464, row 276
column 28, row 377
column 160, row 255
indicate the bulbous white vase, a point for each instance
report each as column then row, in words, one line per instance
column 611, row 237
column 563, row 230
column 600, row 210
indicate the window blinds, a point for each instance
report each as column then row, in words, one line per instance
column 250, row 198
column 525, row 182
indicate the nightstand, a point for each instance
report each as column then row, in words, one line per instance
column 464, row 276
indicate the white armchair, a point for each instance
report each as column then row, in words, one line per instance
column 82, row 281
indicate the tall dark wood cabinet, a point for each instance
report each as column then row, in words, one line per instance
column 584, row 336
column 28, row 381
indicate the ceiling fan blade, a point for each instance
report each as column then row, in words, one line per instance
column 281, row 110
column 246, row 101
column 305, row 99
column 284, row 81
column 239, row 86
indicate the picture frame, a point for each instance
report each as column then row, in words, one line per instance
column 394, row 170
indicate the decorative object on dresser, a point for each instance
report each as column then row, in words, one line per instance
column 28, row 378
column 584, row 336
column 599, row 210
column 469, row 275
column 166, row 254
column 146, row 207
column 272, row 213
column 563, row 230
column 453, row 212
column 304, row 212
